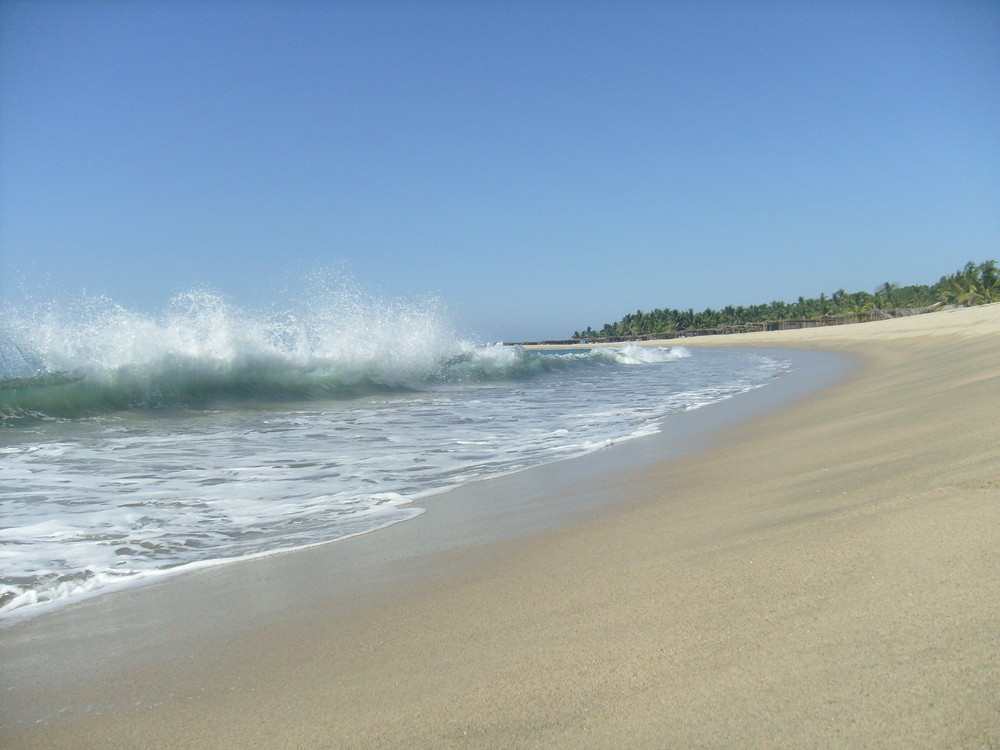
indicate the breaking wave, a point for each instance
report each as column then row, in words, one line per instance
column 94, row 356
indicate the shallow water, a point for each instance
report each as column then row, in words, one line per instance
column 117, row 468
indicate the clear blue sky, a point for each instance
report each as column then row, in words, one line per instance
column 539, row 166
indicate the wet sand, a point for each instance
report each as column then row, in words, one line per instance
column 822, row 575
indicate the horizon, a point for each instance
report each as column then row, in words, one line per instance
column 538, row 167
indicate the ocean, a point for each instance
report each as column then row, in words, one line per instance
column 135, row 446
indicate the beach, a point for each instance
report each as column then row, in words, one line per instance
column 823, row 574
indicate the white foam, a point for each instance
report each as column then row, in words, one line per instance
column 100, row 504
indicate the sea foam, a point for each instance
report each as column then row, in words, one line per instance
column 93, row 355
column 137, row 445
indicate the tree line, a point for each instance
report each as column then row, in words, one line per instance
column 972, row 285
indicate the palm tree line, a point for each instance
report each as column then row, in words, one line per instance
column 972, row 285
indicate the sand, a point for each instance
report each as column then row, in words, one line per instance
column 825, row 575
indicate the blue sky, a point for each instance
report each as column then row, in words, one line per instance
column 539, row 166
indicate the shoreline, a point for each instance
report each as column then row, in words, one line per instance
column 817, row 371
column 820, row 574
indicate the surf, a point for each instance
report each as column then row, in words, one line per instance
column 137, row 445
column 93, row 356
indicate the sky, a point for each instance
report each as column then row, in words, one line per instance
column 537, row 166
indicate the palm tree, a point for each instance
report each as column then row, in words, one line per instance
column 858, row 303
column 989, row 281
column 963, row 287
column 885, row 291
column 824, row 304
column 779, row 310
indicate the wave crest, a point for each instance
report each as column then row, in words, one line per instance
column 94, row 356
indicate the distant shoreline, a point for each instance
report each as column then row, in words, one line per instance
column 770, row 326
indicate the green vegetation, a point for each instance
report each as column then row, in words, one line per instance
column 972, row 285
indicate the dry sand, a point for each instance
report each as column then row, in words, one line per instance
column 824, row 576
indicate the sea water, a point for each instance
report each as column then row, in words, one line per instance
column 134, row 446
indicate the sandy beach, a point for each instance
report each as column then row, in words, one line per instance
column 824, row 575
